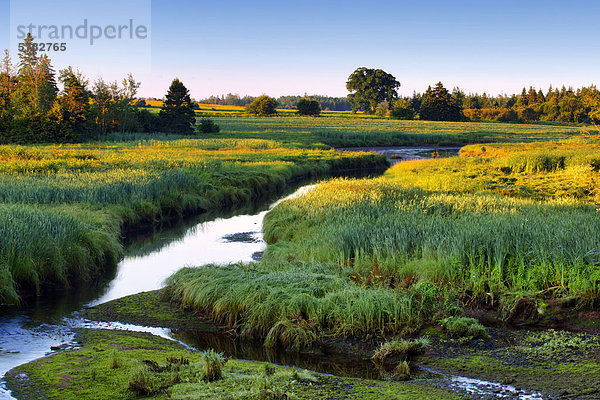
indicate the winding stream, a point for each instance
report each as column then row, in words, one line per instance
column 46, row 325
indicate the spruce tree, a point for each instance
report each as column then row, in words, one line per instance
column 177, row 113
column 439, row 105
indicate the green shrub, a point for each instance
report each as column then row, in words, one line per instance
column 207, row 125
column 308, row 107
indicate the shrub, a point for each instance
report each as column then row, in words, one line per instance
column 308, row 107
column 262, row 105
column 464, row 327
column 207, row 125
column 403, row 110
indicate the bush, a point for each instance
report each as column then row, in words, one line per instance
column 402, row 109
column 308, row 107
column 207, row 125
column 148, row 122
column 464, row 327
column 262, row 105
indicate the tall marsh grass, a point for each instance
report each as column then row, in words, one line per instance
column 62, row 207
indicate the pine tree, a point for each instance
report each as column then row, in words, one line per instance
column 8, row 84
column 177, row 114
column 37, row 82
column 72, row 108
column 438, row 105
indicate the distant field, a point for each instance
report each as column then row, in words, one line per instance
column 219, row 108
column 361, row 131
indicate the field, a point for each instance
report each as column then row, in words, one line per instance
column 64, row 207
column 346, row 130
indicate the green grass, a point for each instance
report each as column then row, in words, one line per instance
column 370, row 257
column 353, row 130
column 463, row 327
column 153, row 367
column 64, row 207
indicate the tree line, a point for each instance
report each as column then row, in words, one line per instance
column 374, row 91
column 34, row 110
column 285, row 102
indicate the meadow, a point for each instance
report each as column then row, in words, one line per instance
column 64, row 207
column 506, row 228
column 347, row 130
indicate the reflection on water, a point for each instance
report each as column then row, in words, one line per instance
column 398, row 154
column 335, row 364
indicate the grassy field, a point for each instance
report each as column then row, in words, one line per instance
column 507, row 228
column 345, row 130
column 64, row 207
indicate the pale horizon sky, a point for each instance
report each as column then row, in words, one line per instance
column 311, row 47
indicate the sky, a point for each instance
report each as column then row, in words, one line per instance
column 291, row 48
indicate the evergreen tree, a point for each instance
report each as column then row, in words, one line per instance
column 72, row 107
column 177, row 114
column 8, row 85
column 37, row 83
column 438, row 105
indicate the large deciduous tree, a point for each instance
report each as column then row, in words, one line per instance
column 177, row 114
column 439, row 105
column 368, row 87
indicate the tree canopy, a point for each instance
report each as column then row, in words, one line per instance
column 262, row 105
column 439, row 105
column 308, row 107
column 177, row 114
column 369, row 87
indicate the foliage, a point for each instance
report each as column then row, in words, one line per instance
column 177, row 114
column 369, row 87
column 438, row 105
column 213, row 365
column 402, row 109
column 207, row 125
column 308, row 107
column 262, row 106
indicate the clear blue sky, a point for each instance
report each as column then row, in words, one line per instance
column 278, row 47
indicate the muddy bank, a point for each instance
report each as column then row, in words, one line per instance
column 510, row 364
column 109, row 363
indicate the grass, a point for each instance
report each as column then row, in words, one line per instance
column 464, row 327
column 154, row 367
column 366, row 258
column 64, row 207
column 400, row 350
column 343, row 130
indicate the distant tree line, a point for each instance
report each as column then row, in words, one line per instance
column 38, row 105
column 285, row 102
column 374, row 92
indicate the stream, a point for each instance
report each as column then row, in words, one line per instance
column 45, row 325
